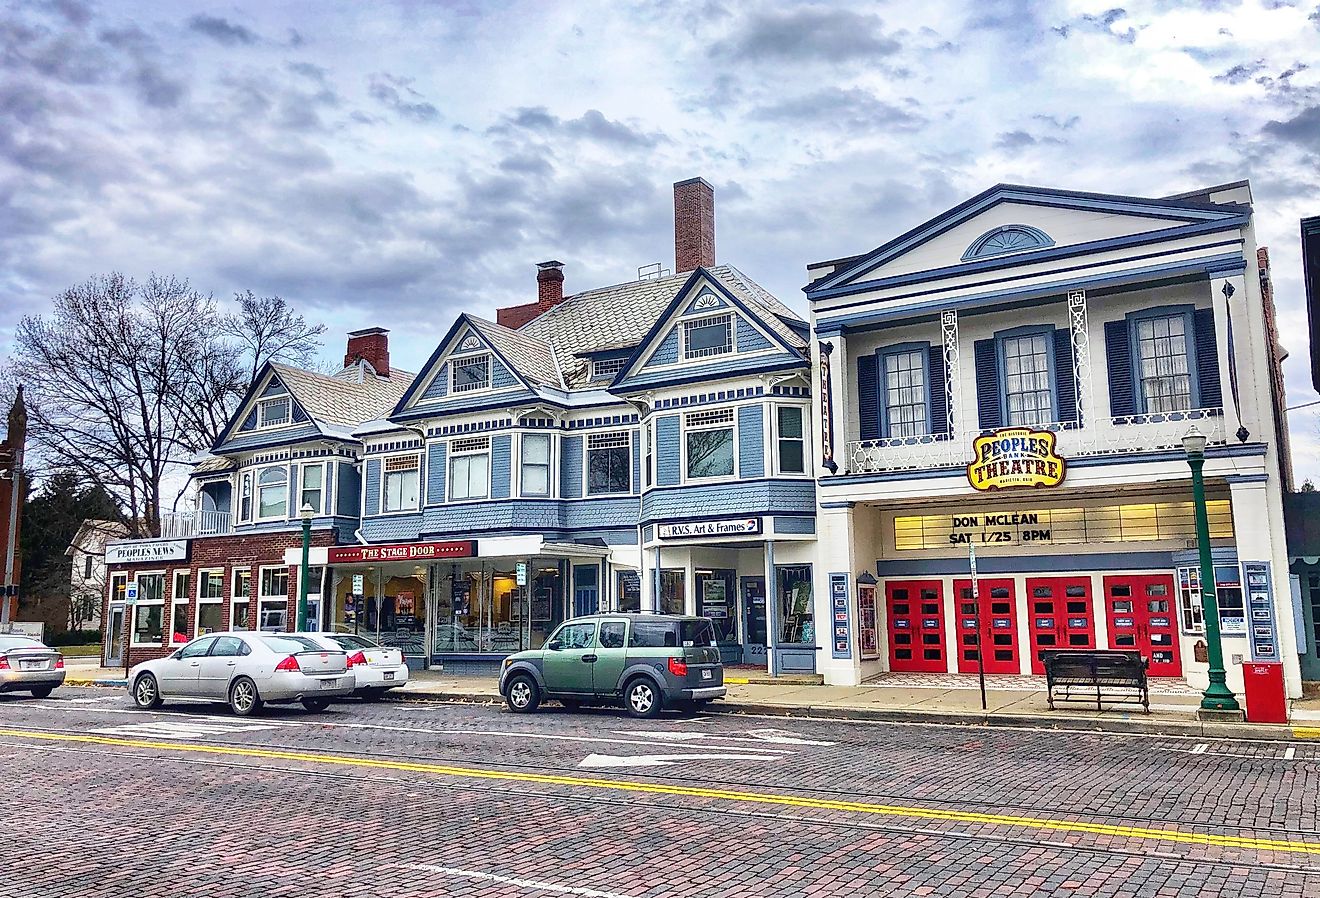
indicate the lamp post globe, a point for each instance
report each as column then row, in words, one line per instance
column 1217, row 695
column 306, row 513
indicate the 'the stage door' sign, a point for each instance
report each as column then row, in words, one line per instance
column 401, row 552
column 1013, row 457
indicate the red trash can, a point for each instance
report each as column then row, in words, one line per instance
column 1266, row 700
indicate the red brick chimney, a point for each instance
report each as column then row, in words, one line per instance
column 549, row 284
column 694, row 224
column 371, row 344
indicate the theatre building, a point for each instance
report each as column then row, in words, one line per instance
column 1020, row 378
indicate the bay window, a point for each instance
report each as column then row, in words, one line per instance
column 402, row 480
column 272, row 493
column 469, row 468
column 535, row 471
column 311, row 487
column 609, row 463
column 709, row 442
column 790, row 439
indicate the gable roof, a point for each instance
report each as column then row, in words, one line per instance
column 532, row 358
column 1184, row 209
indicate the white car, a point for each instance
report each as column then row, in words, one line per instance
column 246, row 670
column 376, row 668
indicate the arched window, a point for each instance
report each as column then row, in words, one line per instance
column 273, row 493
column 1013, row 238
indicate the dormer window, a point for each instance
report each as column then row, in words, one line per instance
column 708, row 336
column 274, row 412
column 602, row 368
column 471, row 373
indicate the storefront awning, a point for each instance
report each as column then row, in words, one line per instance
column 442, row 551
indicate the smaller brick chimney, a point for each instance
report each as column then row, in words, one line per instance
column 694, row 224
column 549, row 284
column 372, row 345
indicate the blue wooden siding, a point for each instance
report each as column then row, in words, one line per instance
column 373, row 487
column 570, row 476
column 436, row 473
column 719, row 366
column 795, row 525
column 553, row 518
column 350, row 491
column 274, row 388
column 637, row 461
column 667, row 352
column 501, row 466
column 438, row 388
column 668, row 456
column 327, row 488
column 393, row 529
column 261, row 438
column 500, row 376
column 751, row 441
column 749, row 338
column 294, row 505
column 716, row 500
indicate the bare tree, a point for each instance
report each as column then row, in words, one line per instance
column 266, row 329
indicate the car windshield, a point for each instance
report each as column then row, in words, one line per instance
column 353, row 642
column 293, row 644
column 19, row 642
column 697, row 632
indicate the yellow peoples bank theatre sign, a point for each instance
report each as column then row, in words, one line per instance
column 1015, row 456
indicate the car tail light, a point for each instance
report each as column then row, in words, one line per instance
column 59, row 663
column 678, row 667
column 356, row 658
column 4, row 663
column 289, row 663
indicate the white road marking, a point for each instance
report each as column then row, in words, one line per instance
column 136, row 712
column 172, row 729
column 1200, row 748
column 530, row 884
column 776, row 737
column 649, row 741
column 594, row 760
column 1289, row 752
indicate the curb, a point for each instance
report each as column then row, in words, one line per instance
column 112, row 684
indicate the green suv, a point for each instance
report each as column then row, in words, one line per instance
column 647, row 661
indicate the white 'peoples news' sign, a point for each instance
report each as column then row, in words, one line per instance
column 725, row 527
column 140, row 551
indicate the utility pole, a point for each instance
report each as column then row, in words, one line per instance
column 16, row 437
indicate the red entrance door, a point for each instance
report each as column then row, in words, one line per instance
column 998, row 601
column 1061, row 616
column 1141, row 617
column 916, row 626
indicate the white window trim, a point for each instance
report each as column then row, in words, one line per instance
column 176, row 600
column 451, row 454
column 235, row 601
column 263, row 599
column 612, row 367
column 685, row 429
column 421, row 486
column 455, row 360
column 244, row 479
column 256, row 495
column 201, row 578
column 271, row 400
column 586, row 465
column 132, row 612
column 773, row 440
column 302, row 479
column 110, row 586
column 550, row 466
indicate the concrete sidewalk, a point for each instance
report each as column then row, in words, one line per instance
column 1172, row 713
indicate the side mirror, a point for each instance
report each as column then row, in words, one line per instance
column 554, row 645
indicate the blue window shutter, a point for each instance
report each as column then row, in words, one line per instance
column 988, row 408
column 1207, row 359
column 939, row 396
column 868, row 399
column 1065, row 380
column 1118, row 356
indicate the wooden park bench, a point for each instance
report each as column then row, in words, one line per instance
column 1101, row 675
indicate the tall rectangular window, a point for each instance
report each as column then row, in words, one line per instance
column 179, row 607
column 673, row 589
column 710, row 442
column 210, row 601
column 272, row 493
column 311, row 487
column 471, row 373
column 240, row 595
column 273, row 604
column 469, row 468
column 1163, row 374
column 1028, row 400
column 649, row 430
column 708, row 336
column 791, row 440
column 402, row 478
column 149, row 612
column 245, row 499
column 535, row 470
column 906, row 412
column 609, row 463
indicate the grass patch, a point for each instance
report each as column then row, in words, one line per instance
column 80, row 651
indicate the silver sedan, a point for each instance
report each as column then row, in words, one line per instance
column 27, row 665
column 246, row 670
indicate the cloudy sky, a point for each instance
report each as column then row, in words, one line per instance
column 395, row 163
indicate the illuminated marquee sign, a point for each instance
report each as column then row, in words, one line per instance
column 401, row 552
column 1015, row 456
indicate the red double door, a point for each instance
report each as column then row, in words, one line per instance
column 1061, row 616
column 1142, row 616
column 998, row 629
column 915, row 622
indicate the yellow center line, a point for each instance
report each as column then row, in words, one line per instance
column 769, row 798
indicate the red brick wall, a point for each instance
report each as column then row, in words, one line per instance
column 515, row 317
column 374, row 347
column 209, row 554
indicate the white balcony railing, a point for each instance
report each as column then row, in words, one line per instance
column 1124, row 435
column 180, row 525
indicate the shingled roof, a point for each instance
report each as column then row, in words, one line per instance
column 346, row 399
column 533, row 358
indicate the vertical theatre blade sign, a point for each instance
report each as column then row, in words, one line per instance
column 826, row 410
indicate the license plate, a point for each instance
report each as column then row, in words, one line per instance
column 389, row 674
column 330, row 684
column 707, row 675
column 32, row 665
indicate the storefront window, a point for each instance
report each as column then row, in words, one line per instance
column 273, row 605
column 210, row 601
column 629, row 591
column 673, row 592
column 717, row 600
column 795, row 609
column 241, row 592
column 179, row 607
column 487, row 611
column 146, row 624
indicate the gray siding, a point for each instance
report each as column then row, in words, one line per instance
column 751, row 442
column 668, row 458
column 570, row 467
column 501, row 471
column 350, row 490
column 373, row 487
column 718, row 500
column 436, row 468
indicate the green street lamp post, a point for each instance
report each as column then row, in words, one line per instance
column 305, row 513
column 1217, row 695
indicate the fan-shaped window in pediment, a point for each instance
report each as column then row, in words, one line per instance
column 1007, row 239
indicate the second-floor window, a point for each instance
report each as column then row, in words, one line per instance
column 245, row 499
column 402, row 478
column 906, row 413
column 708, row 336
column 273, row 412
column 469, row 468
column 273, row 493
column 609, row 467
column 471, row 373
column 535, row 472
column 1028, row 400
column 312, row 487
column 1162, row 371
column 710, row 441
column 791, row 440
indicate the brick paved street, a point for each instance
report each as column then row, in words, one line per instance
column 396, row 800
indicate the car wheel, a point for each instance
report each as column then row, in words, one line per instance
column 523, row 695
column 42, row 691
column 243, row 698
column 642, row 698
column 316, row 705
column 146, row 692
column 372, row 695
